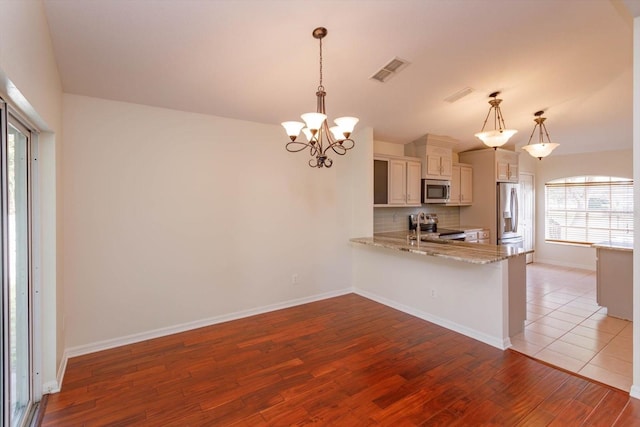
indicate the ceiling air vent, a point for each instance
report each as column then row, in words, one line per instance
column 459, row 94
column 391, row 69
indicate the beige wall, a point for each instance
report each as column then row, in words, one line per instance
column 29, row 81
column 173, row 218
column 606, row 163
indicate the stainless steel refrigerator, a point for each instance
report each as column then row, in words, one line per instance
column 508, row 232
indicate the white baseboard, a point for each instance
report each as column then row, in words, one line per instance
column 55, row 386
column 589, row 267
column 471, row 333
column 635, row 391
column 51, row 387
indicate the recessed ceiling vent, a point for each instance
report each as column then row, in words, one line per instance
column 392, row 68
column 459, row 94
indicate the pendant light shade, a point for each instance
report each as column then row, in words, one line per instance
column 496, row 138
column 500, row 134
column 540, row 149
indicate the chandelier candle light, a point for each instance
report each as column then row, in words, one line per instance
column 316, row 130
column 540, row 149
column 500, row 135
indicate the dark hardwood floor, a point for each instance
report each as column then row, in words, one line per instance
column 344, row 361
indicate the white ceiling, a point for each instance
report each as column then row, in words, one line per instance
column 256, row 60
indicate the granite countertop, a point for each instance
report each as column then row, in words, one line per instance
column 614, row 245
column 475, row 253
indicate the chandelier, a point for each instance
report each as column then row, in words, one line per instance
column 499, row 135
column 540, row 149
column 320, row 137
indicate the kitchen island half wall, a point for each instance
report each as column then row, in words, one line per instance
column 485, row 301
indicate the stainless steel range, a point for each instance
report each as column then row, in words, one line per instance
column 447, row 234
column 430, row 225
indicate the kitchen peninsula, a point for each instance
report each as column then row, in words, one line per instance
column 614, row 278
column 478, row 290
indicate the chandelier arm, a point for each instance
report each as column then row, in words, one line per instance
column 532, row 132
column 546, row 133
column 291, row 146
column 344, row 145
column 337, row 148
column 350, row 145
column 322, row 133
column 485, row 120
column 501, row 125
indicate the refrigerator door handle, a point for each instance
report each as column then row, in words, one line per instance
column 514, row 208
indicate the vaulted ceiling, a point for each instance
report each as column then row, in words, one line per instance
column 256, row 60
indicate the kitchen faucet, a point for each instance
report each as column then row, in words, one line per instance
column 423, row 216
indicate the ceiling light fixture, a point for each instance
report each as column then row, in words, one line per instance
column 540, row 149
column 500, row 135
column 315, row 127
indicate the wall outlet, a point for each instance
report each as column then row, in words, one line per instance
column 434, row 294
column 295, row 279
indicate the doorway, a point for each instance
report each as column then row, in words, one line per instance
column 17, row 293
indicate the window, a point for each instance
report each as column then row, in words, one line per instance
column 589, row 209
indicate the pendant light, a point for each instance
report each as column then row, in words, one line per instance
column 320, row 137
column 540, row 149
column 499, row 135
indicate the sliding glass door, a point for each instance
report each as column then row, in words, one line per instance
column 17, row 305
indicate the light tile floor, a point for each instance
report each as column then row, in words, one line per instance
column 565, row 326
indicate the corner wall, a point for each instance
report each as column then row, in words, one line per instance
column 175, row 219
column 29, row 81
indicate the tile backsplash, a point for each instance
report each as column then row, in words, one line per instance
column 397, row 219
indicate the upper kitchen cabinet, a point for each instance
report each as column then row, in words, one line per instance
column 436, row 153
column 396, row 181
column 503, row 163
column 506, row 166
column 461, row 185
column 439, row 162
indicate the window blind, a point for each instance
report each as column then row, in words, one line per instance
column 589, row 209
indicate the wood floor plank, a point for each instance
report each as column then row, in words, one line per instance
column 344, row 361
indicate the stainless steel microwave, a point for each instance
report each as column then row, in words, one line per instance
column 436, row 191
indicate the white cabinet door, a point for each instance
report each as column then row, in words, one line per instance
column 446, row 166
column 397, row 182
column 466, row 185
column 439, row 163
column 461, row 185
column 507, row 166
column 454, row 197
column 414, row 174
column 503, row 170
column 433, row 165
column 513, row 171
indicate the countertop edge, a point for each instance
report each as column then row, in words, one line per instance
column 611, row 246
column 473, row 253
